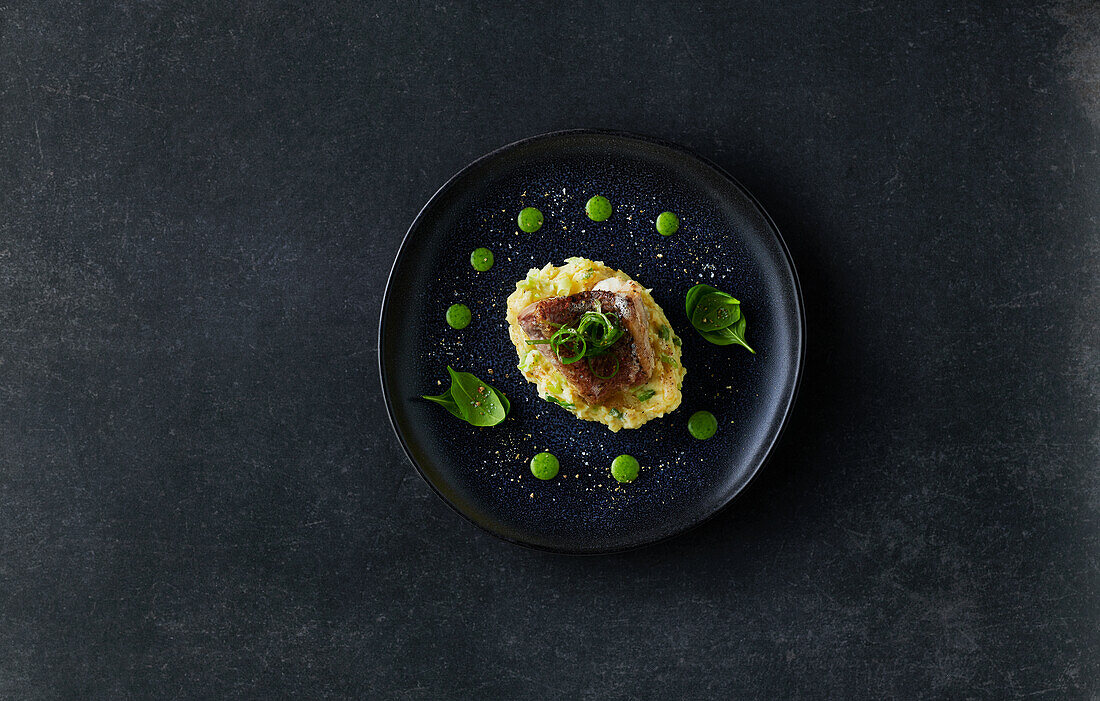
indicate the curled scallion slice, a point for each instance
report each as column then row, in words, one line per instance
column 593, row 336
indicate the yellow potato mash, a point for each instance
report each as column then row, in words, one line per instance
column 624, row 409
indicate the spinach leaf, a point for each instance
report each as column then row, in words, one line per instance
column 729, row 335
column 644, row 394
column 694, row 295
column 615, row 413
column 480, row 402
column 503, row 399
column 738, row 332
column 446, row 402
column 717, row 316
column 721, row 337
column 472, row 400
column 664, row 332
column 714, row 311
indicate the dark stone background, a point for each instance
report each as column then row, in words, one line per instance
column 200, row 495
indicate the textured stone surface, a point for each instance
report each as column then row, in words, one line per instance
column 199, row 495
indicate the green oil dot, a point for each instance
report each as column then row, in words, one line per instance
column 458, row 316
column 667, row 224
column 702, row 425
column 625, row 468
column 598, row 208
column 529, row 219
column 481, row 259
column 544, row 466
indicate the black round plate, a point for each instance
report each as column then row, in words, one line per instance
column 725, row 239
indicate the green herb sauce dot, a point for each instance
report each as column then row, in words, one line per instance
column 458, row 316
column 667, row 224
column 625, row 468
column 702, row 425
column 481, row 259
column 544, row 466
column 529, row 220
column 598, row 208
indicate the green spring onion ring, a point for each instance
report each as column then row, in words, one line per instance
column 593, row 336
column 568, row 336
column 599, row 331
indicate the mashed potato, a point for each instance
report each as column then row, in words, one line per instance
column 623, row 410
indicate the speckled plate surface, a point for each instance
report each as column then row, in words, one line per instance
column 725, row 239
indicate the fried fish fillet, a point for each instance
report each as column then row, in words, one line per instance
column 596, row 378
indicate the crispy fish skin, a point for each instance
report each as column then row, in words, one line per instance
column 540, row 320
column 635, row 318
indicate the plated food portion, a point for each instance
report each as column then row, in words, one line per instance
column 595, row 342
column 550, row 295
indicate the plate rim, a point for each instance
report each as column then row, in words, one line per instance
column 787, row 409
